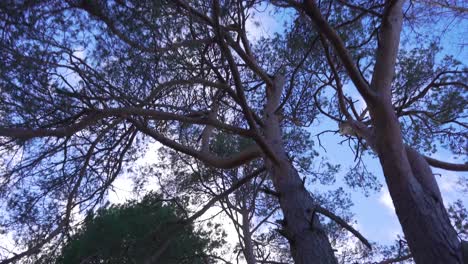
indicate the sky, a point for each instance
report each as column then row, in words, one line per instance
column 374, row 214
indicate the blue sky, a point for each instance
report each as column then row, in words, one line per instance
column 374, row 214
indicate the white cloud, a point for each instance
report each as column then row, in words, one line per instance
column 449, row 185
column 393, row 233
column 262, row 24
column 122, row 190
column 386, row 200
column 7, row 245
column 80, row 53
column 447, row 182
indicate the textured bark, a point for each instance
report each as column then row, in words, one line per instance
column 412, row 186
column 415, row 194
column 308, row 241
column 416, row 197
column 247, row 238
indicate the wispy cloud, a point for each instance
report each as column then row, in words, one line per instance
column 122, row 190
column 386, row 200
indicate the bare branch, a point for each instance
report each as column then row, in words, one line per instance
column 396, row 260
column 224, row 194
column 446, row 165
column 343, row 223
column 234, row 161
column 313, row 12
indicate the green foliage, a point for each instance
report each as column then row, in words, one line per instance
column 124, row 234
column 360, row 178
column 226, row 145
column 459, row 217
column 437, row 117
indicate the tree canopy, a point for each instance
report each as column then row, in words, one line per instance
column 86, row 86
column 122, row 234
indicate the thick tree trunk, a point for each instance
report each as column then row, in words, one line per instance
column 412, row 186
column 308, row 241
column 416, row 197
column 247, row 238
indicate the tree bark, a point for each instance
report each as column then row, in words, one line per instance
column 414, row 191
column 247, row 237
column 416, row 196
column 307, row 239
column 412, row 186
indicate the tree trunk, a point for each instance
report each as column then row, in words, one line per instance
column 247, row 237
column 307, row 239
column 412, row 186
column 416, row 197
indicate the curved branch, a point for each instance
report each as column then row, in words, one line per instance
column 313, row 12
column 94, row 116
column 339, row 86
column 395, row 260
column 160, row 115
column 66, row 131
column 234, row 161
column 224, row 194
column 343, row 223
column 446, row 165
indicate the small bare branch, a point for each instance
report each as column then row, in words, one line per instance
column 343, row 223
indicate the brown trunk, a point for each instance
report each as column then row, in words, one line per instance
column 412, row 186
column 307, row 239
column 247, row 237
column 415, row 194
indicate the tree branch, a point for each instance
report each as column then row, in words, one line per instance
column 67, row 131
column 395, row 260
column 343, row 223
column 69, row 205
column 446, row 165
column 387, row 49
column 339, row 86
column 93, row 116
column 224, row 194
column 238, row 85
column 234, row 161
column 427, row 88
column 322, row 25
